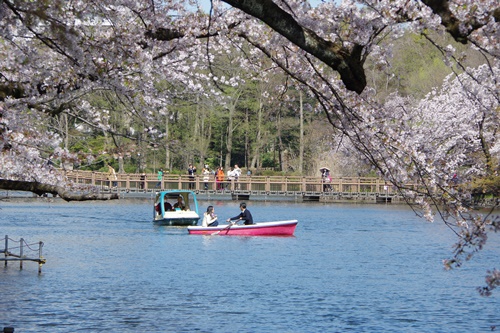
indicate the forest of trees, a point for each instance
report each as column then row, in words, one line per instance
column 257, row 124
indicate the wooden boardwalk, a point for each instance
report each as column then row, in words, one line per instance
column 355, row 189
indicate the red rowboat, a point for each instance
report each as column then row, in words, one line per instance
column 278, row 228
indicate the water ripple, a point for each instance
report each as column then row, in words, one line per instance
column 349, row 268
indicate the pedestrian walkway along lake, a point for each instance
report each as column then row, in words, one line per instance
column 349, row 268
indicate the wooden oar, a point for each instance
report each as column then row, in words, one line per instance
column 225, row 228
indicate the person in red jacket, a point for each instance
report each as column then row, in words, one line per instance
column 219, row 178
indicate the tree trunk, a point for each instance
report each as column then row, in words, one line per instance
column 247, row 139
column 347, row 62
column 121, row 168
column 229, row 142
column 66, row 132
column 258, row 137
column 486, row 149
column 231, row 129
column 167, row 150
column 195, row 135
column 301, row 134
column 280, row 141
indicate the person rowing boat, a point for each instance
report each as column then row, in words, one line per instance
column 245, row 215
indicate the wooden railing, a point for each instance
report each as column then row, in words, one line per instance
column 268, row 184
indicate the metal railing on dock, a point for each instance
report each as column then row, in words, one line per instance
column 17, row 253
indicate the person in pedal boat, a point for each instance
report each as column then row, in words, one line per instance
column 179, row 205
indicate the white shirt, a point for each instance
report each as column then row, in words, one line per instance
column 206, row 175
column 207, row 219
column 237, row 172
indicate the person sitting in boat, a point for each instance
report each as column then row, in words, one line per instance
column 245, row 215
column 167, row 206
column 210, row 218
column 179, row 205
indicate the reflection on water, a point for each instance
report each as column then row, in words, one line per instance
column 359, row 268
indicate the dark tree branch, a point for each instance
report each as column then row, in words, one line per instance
column 11, row 90
column 347, row 63
column 65, row 194
column 452, row 24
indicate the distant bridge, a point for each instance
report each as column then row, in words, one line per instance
column 368, row 189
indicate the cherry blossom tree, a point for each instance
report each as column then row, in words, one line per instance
column 404, row 141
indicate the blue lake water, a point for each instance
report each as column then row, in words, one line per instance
column 349, row 268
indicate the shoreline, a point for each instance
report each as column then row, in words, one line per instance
column 298, row 197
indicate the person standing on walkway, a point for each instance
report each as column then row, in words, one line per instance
column 237, row 174
column 191, row 173
column 206, row 176
column 230, row 178
column 219, row 178
column 160, row 178
column 142, row 184
column 245, row 215
column 112, row 176
column 326, row 179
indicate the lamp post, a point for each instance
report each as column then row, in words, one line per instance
column 154, row 157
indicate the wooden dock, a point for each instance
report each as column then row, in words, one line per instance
column 17, row 252
column 303, row 188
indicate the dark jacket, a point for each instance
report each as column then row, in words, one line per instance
column 245, row 216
